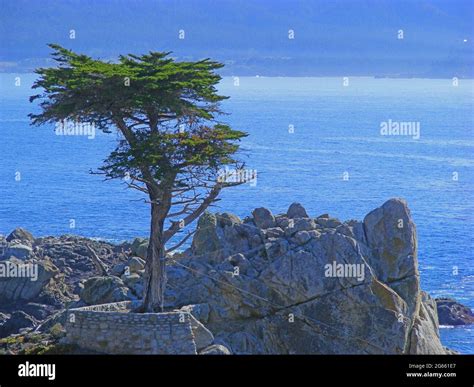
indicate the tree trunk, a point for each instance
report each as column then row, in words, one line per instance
column 155, row 271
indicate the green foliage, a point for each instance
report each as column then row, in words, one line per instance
column 165, row 109
column 57, row 331
column 151, row 85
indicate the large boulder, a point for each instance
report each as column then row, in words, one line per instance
column 18, row 320
column 202, row 336
column 103, row 290
column 22, row 235
column 296, row 210
column 220, row 235
column 139, row 247
column 205, row 239
column 24, row 280
column 391, row 237
column 18, row 250
column 451, row 312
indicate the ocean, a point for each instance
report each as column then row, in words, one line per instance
column 318, row 141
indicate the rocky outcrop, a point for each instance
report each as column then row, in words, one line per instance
column 281, row 284
column 52, row 273
column 451, row 312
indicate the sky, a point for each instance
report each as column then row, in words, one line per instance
column 395, row 38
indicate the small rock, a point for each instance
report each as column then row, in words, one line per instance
column 329, row 222
column 301, row 237
column 216, row 349
column 263, row 218
column 283, row 222
column 227, row 219
column 118, row 269
column 136, row 264
column 274, row 232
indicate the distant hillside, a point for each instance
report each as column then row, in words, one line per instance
column 336, row 37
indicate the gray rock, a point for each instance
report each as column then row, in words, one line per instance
column 199, row 311
column 239, row 260
column 135, row 283
column 21, row 235
column 424, row 337
column 202, row 336
column 302, row 224
column 296, row 210
column 216, row 349
column 205, row 239
column 38, row 311
column 329, row 222
column 391, row 236
column 293, row 304
column 274, row 232
column 136, row 264
column 139, row 247
column 118, row 270
column 263, row 218
column 227, row 219
column 282, row 221
column 301, row 237
column 17, row 250
column 25, row 288
column 103, row 290
column 18, row 320
column 451, row 312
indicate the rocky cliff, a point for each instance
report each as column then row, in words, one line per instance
column 267, row 284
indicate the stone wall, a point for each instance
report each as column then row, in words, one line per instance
column 111, row 328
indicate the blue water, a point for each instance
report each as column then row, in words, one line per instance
column 336, row 130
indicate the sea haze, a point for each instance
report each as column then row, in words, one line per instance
column 305, row 135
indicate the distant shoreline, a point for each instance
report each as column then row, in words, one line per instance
column 401, row 77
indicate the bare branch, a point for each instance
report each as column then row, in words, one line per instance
column 182, row 242
column 176, row 226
